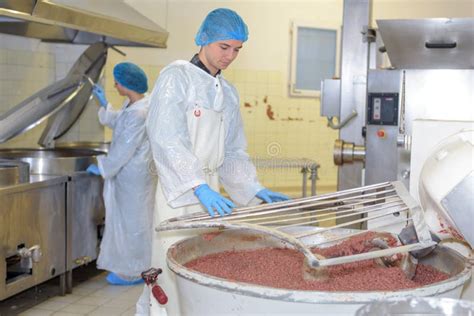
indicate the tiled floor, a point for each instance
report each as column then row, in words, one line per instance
column 93, row 297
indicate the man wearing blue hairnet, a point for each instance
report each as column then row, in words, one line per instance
column 198, row 142
column 129, row 184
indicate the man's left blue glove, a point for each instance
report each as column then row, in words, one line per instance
column 270, row 196
column 93, row 169
column 213, row 201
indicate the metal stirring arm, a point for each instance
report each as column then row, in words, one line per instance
column 312, row 259
column 384, row 204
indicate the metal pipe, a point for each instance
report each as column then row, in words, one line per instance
column 305, row 173
column 347, row 152
column 314, row 177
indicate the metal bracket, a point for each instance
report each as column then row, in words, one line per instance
column 368, row 33
column 343, row 123
column 117, row 50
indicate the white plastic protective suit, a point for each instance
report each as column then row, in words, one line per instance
column 196, row 134
column 129, row 188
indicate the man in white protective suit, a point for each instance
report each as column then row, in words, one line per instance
column 198, row 142
column 130, row 183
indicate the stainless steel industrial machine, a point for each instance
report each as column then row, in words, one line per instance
column 51, row 216
column 61, row 208
column 394, row 81
column 417, row 91
column 32, row 234
column 430, row 77
column 60, row 214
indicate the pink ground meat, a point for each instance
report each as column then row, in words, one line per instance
column 283, row 268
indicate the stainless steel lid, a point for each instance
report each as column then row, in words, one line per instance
column 61, row 102
column 439, row 43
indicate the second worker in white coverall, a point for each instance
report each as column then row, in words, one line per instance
column 129, row 179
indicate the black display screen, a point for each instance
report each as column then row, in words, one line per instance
column 382, row 109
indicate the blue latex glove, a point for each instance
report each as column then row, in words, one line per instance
column 93, row 169
column 270, row 196
column 100, row 95
column 213, row 201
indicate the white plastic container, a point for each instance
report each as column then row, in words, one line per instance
column 202, row 294
column 419, row 306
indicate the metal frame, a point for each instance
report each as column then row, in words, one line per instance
column 380, row 201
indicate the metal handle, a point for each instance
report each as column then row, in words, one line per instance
column 83, row 260
column 159, row 294
column 343, row 122
column 150, row 277
column 33, row 252
column 440, row 45
column 118, row 50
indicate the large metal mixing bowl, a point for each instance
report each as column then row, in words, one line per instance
column 52, row 161
column 237, row 298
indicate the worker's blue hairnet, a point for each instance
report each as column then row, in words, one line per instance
column 131, row 77
column 219, row 25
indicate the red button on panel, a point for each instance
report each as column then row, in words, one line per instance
column 381, row 133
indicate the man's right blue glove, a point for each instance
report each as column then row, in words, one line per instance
column 100, row 95
column 270, row 196
column 213, row 200
column 93, row 169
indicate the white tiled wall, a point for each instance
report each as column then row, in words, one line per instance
column 27, row 66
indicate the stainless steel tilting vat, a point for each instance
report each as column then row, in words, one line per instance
column 197, row 290
column 32, row 234
column 82, row 205
column 52, row 161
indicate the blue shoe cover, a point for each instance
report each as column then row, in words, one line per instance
column 114, row 279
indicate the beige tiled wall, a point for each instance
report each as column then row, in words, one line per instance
column 23, row 72
column 281, row 127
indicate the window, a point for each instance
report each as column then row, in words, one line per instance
column 314, row 58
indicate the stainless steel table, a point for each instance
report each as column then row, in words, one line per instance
column 304, row 165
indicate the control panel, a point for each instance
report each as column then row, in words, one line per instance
column 382, row 109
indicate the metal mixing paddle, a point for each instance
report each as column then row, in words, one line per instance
column 385, row 204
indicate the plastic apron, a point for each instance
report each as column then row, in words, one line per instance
column 128, row 195
column 206, row 130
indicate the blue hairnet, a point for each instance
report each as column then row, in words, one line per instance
column 219, row 25
column 131, row 77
